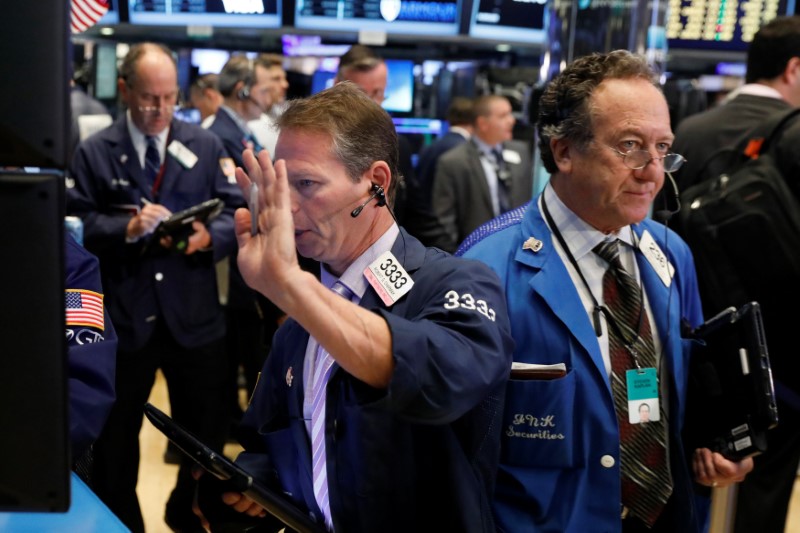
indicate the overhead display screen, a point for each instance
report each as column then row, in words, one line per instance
column 508, row 20
column 411, row 17
column 223, row 13
column 720, row 24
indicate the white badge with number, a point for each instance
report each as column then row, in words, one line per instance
column 388, row 277
column 185, row 157
column 657, row 259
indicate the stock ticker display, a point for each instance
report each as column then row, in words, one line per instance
column 720, row 24
column 422, row 17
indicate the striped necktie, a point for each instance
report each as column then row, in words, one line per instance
column 323, row 366
column 152, row 160
column 646, row 476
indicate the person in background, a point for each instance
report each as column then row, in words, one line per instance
column 251, row 320
column 377, row 407
column 485, row 177
column 204, row 96
column 91, row 352
column 264, row 126
column 598, row 287
column 367, row 69
column 460, row 118
column 772, row 86
column 123, row 181
column 88, row 114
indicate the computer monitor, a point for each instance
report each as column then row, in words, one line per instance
column 321, row 80
column 105, row 71
column 399, row 97
column 263, row 14
column 508, row 21
column 35, row 464
column 431, row 18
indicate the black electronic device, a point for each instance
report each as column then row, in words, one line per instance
column 179, row 226
column 35, row 447
column 223, row 468
column 731, row 398
column 35, row 110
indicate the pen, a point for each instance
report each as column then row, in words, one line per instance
column 253, row 205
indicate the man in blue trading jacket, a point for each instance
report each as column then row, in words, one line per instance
column 377, row 409
column 572, row 458
column 163, row 299
column 91, row 349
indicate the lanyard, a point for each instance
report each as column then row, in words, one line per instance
column 597, row 307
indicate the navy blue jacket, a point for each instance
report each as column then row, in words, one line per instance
column 421, row 454
column 106, row 183
column 91, row 355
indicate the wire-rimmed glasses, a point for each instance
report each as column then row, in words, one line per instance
column 638, row 159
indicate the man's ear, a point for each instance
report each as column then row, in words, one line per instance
column 562, row 154
column 379, row 174
column 122, row 88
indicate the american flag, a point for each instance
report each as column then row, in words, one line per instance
column 85, row 308
column 86, row 13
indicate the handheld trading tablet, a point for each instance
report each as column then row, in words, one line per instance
column 179, row 225
column 224, row 469
column 731, row 398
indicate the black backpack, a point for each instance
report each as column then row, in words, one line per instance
column 742, row 223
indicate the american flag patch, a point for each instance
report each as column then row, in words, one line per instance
column 85, row 13
column 84, row 308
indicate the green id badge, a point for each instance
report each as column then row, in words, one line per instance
column 643, row 405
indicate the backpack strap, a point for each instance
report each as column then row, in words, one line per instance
column 759, row 139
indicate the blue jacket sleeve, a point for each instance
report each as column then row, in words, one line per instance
column 91, row 354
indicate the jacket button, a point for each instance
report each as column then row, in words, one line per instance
column 607, row 461
column 159, row 276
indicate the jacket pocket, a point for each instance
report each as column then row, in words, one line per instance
column 537, row 425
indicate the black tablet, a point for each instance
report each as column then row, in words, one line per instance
column 224, row 469
column 179, row 225
column 731, row 398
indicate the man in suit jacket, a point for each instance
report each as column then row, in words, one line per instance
column 604, row 136
column 485, row 177
column 365, row 68
column 772, row 86
column 460, row 118
column 251, row 319
column 163, row 300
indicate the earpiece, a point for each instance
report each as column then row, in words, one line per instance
column 377, row 192
column 244, row 93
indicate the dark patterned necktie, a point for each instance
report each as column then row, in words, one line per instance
column 503, row 181
column 152, row 161
column 646, row 476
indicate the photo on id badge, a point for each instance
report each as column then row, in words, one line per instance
column 643, row 404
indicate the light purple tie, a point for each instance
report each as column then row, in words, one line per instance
column 323, row 365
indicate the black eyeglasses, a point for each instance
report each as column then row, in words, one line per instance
column 638, row 159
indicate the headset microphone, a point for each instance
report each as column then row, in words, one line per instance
column 665, row 214
column 377, row 191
